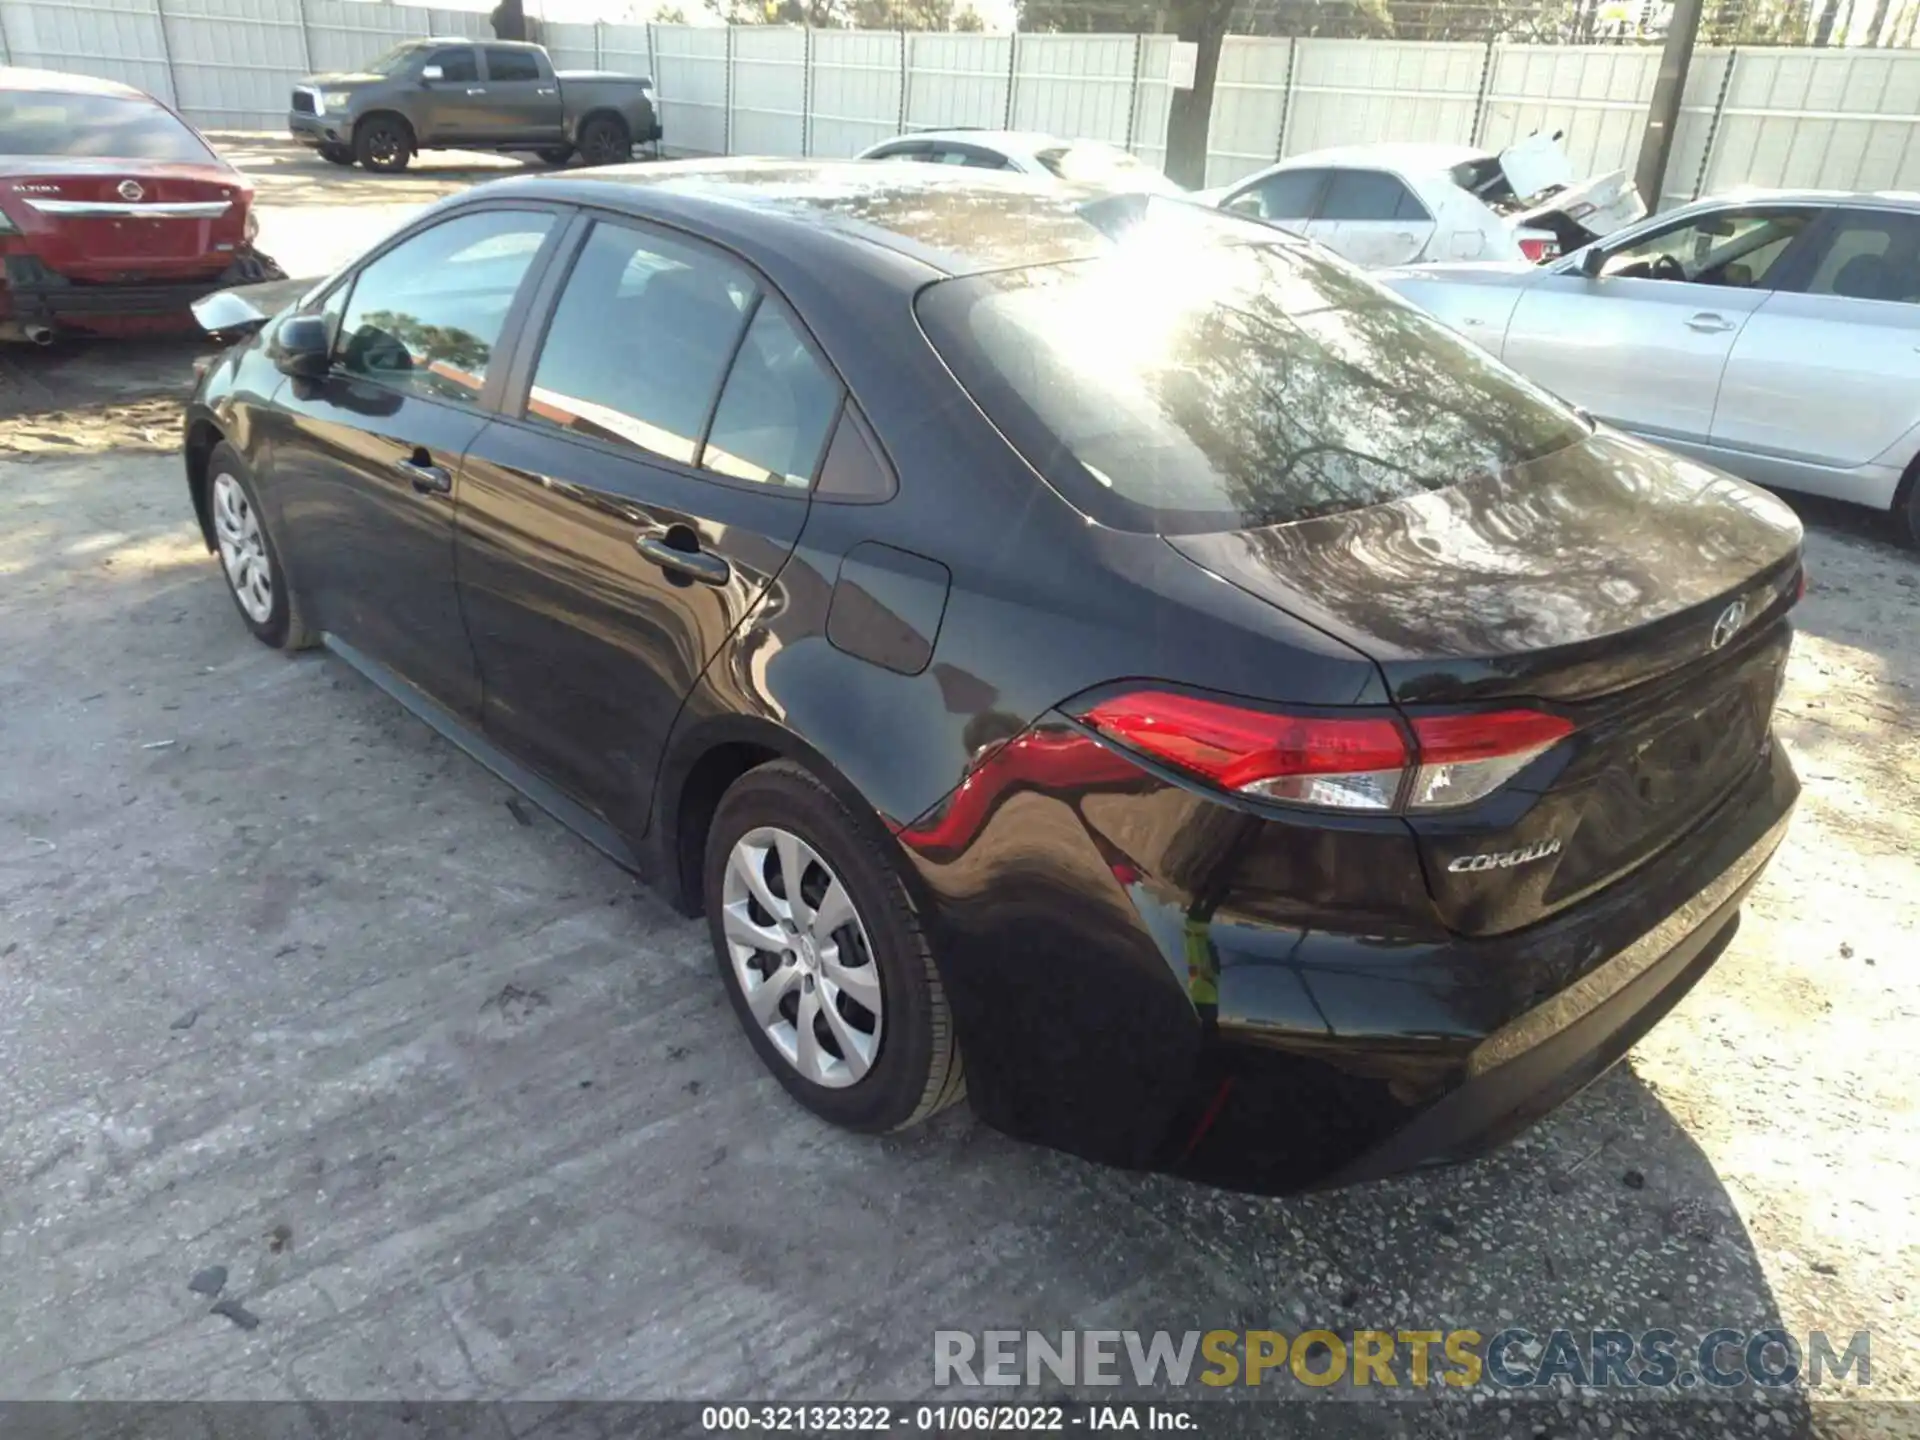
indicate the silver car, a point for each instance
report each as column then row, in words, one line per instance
column 1775, row 335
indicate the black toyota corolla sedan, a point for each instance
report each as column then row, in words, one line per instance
column 1093, row 655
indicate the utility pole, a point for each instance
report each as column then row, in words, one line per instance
column 1663, row 111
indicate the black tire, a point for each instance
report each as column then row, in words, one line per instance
column 284, row 625
column 556, row 154
column 1906, row 508
column 605, row 140
column 917, row 1070
column 337, row 154
column 383, row 144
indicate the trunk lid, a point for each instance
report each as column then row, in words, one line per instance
column 1639, row 595
column 126, row 220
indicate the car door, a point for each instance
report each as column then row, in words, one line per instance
column 1828, row 369
column 1372, row 218
column 452, row 101
column 649, row 481
column 366, row 460
column 1644, row 343
column 522, row 99
column 1286, row 198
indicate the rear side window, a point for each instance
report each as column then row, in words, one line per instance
column 640, row 341
column 1244, row 386
column 426, row 316
column 777, row 407
column 107, row 127
column 1289, row 195
column 1870, row 255
column 512, row 65
column 455, row 64
column 1363, row 195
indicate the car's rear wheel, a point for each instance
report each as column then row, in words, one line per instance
column 383, row 144
column 605, row 140
column 823, row 958
column 557, row 154
column 248, row 558
column 337, row 154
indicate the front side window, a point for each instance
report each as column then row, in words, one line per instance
column 1362, row 195
column 640, row 341
column 1179, row 388
column 511, row 65
column 427, row 315
column 1733, row 248
column 107, row 127
column 778, row 404
column 1870, row 255
column 455, row 65
column 1290, row 195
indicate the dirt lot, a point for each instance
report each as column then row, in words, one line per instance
column 290, row 989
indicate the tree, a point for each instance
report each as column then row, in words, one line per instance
column 509, row 20
column 670, row 15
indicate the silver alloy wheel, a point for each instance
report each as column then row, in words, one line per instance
column 243, row 549
column 800, row 953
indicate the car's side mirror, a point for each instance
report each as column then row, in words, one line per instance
column 1592, row 261
column 432, row 72
column 301, row 347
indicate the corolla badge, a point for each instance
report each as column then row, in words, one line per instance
column 1505, row 859
column 132, row 190
column 1728, row 625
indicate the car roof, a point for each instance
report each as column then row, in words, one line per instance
column 953, row 223
column 1754, row 194
column 17, row 78
column 1015, row 142
column 1408, row 159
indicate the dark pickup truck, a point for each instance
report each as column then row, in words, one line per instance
column 471, row 95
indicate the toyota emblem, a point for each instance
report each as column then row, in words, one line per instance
column 132, row 190
column 1728, row 625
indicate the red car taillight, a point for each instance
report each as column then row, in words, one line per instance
column 1345, row 762
column 1538, row 249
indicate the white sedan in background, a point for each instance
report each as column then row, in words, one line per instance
column 1776, row 335
column 1395, row 204
column 1029, row 152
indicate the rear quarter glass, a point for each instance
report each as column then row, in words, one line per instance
column 1172, row 388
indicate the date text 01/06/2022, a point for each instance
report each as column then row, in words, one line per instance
column 941, row 1419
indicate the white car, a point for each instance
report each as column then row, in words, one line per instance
column 1029, row 152
column 1774, row 334
column 1393, row 204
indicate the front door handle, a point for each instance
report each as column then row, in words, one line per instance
column 427, row 478
column 476, row 90
column 546, row 90
column 694, row 564
column 1708, row 323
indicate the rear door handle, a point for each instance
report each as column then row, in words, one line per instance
column 546, row 90
column 694, row 564
column 1708, row 323
column 476, row 89
column 427, row 478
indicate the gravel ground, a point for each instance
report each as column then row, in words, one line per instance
column 291, row 990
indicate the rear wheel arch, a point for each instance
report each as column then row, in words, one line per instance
column 698, row 772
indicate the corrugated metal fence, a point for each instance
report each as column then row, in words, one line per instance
column 1842, row 118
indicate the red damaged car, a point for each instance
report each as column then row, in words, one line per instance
column 115, row 215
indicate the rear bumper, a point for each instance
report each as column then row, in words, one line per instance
column 33, row 295
column 1198, row 991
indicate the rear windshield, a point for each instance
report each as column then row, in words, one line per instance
column 1104, row 165
column 1173, row 389
column 48, row 122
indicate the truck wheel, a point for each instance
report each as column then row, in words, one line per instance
column 557, row 154
column 337, row 154
column 383, row 144
column 605, row 140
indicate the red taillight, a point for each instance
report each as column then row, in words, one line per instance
column 1801, row 583
column 1538, row 248
column 1345, row 762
